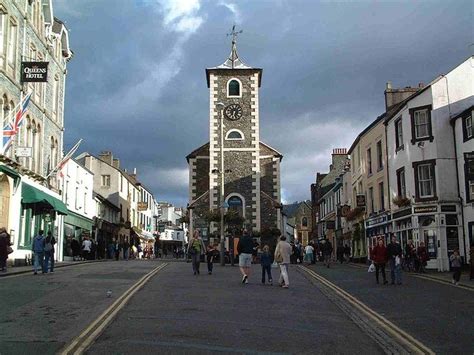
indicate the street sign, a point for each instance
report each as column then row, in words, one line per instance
column 23, row 152
column 360, row 200
column 344, row 210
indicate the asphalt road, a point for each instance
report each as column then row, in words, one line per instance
column 40, row 314
column 439, row 315
column 179, row 313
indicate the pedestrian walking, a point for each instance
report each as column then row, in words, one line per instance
column 282, row 257
column 86, row 248
column 117, row 248
column 210, row 255
column 379, row 258
column 410, row 255
column 471, row 262
column 456, row 263
column 347, row 253
column 49, row 242
column 196, row 248
column 327, row 252
column 423, row 257
column 394, row 251
column 313, row 261
column 126, row 250
column 308, row 254
column 266, row 263
column 37, row 248
column 5, row 248
column 245, row 249
column 76, row 249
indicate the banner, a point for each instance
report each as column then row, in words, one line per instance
column 34, row 72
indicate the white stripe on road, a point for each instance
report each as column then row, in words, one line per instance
column 401, row 336
column 87, row 337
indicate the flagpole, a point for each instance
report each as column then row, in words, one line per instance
column 65, row 158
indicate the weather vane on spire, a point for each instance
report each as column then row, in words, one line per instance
column 234, row 34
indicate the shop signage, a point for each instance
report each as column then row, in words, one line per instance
column 402, row 213
column 142, row 206
column 448, row 208
column 360, row 199
column 23, row 152
column 344, row 210
column 376, row 220
column 34, row 72
column 330, row 225
column 425, row 209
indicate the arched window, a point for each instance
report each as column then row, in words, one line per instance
column 233, row 88
column 234, row 135
column 304, row 222
column 236, row 204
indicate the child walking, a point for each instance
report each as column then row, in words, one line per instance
column 266, row 262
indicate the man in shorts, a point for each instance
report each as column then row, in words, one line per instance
column 245, row 249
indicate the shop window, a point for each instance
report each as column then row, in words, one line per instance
column 451, row 220
column 425, row 182
column 421, row 124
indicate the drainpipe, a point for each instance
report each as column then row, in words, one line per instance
column 453, row 125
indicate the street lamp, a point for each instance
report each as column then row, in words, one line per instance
column 220, row 106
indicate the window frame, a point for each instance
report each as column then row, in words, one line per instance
column 369, row 162
column 398, row 134
column 242, row 137
column 104, row 179
column 468, row 115
column 429, row 137
column 381, row 196
column 240, row 88
column 416, row 165
column 379, row 151
column 401, row 172
column 467, row 180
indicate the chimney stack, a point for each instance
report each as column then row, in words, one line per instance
column 107, row 157
column 395, row 96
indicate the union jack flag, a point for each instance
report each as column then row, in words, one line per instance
column 11, row 129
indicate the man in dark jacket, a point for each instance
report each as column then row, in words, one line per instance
column 327, row 251
column 245, row 249
column 393, row 250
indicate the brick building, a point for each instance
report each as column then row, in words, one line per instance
column 251, row 168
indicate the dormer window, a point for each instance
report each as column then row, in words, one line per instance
column 234, row 135
column 233, row 88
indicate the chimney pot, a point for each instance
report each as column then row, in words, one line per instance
column 421, row 85
column 388, row 86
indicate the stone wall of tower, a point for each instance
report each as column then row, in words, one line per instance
column 240, row 157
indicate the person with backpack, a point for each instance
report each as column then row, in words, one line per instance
column 37, row 248
column 49, row 242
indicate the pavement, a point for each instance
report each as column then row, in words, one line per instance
column 41, row 313
column 436, row 312
column 16, row 270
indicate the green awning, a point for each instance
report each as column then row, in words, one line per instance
column 31, row 194
column 78, row 221
column 12, row 173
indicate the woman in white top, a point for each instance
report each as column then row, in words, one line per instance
column 308, row 254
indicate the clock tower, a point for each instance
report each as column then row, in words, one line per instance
column 249, row 169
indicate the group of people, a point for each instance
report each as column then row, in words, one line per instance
column 246, row 249
column 415, row 259
column 42, row 249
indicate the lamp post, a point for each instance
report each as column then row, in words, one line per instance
column 220, row 107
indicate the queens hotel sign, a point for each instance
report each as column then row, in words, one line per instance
column 34, row 72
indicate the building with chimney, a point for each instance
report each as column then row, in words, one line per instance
column 234, row 170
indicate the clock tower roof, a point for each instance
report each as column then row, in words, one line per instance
column 233, row 62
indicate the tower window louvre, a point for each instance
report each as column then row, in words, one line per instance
column 234, row 88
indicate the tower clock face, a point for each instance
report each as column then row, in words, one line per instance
column 233, row 112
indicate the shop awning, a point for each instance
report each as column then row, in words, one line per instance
column 12, row 173
column 31, row 194
column 78, row 221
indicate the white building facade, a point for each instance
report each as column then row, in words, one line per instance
column 422, row 165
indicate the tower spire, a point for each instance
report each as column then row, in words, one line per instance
column 234, row 34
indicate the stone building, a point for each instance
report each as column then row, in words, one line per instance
column 250, row 167
column 29, row 200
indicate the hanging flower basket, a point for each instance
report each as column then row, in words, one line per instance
column 401, row 201
column 355, row 213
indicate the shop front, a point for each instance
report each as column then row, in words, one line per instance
column 76, row 227
column 438, row 226
column 378, row 226
column 40, row 210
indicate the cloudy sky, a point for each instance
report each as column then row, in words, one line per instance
column 137, row 86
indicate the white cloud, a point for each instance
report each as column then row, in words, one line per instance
column 181, row 15
column 234, row 9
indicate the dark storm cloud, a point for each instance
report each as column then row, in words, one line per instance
column 136, row 84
